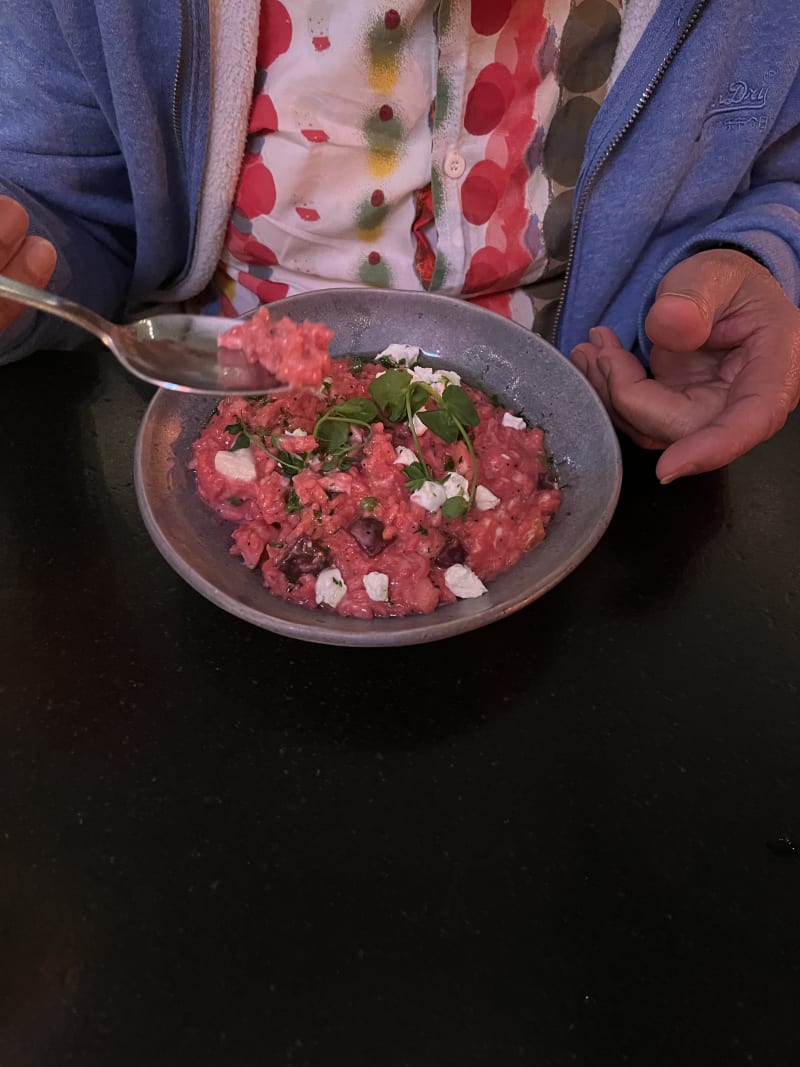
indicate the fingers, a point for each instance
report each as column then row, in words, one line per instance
column 764, row 393
column 23, row 258
column 613, row 372
column 695, row 294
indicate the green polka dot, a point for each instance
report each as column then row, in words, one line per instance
column 377, row 275
column 383, row 135
column 370, row 217
column 383, row 43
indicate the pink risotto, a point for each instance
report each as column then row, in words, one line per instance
column 295, row 354
column 389, row 491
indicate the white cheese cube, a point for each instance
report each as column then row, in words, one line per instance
column 485, row 499
column 407, row 355
column 239, row 466
column 377, row 586
column 463, row 582
column 330, row 587
column 405, row 457
column 430, row 496
column 513, row 422
column 456, row 485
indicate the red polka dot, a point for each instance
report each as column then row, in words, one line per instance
column 315, row 136
column 481, row 192
column 499, row 303
column 308, row 214
column 246, row 248
column 264, row 289
column 373, row 259
column 486, row 267
column 275, row 32
column 386, row 113
column 489, row 16
column 391, row 19
column 264, row 117
column 377, row 198
column 256, row 192
column 488, row 99
column 321, row 44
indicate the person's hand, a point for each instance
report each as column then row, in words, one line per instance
column 22, row 257
column 725, row 365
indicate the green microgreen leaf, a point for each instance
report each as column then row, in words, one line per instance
column 454, row 506
column 458, row 403
column 332, row 430
column 416, row 474
column 293, row 503
column 441, row 423
column 389, row 391
column 368, row 503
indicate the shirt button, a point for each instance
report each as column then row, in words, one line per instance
column 454, row 165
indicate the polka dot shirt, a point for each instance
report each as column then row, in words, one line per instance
column 429, row 145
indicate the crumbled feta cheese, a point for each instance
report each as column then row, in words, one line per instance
column 456, row 485
column 419, row 426
column 485, row 499
column 407, row 355
column 297, row 433
column 463, row 582
column 513, row 422
column 240, row 466
column 437, row 379
column 377, row 585
column 405, row 457
column 330, row 587
column 430, row 496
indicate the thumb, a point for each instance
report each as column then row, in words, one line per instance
column 691, row 296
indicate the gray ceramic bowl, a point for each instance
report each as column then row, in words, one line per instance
column 491, row 353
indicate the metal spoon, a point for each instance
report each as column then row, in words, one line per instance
column 172, row 351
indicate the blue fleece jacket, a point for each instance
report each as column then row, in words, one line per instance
column 104, row 125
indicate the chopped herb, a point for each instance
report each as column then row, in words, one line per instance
column 293, row 503
column 421, row 529
column 368, row 503
column 235, row 501
column 449, row 463
column 333, row 428
column 357, row 365
column 276, row 544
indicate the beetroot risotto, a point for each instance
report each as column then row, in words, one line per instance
column 392, row 489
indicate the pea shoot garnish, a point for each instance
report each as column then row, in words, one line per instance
column 402, row 397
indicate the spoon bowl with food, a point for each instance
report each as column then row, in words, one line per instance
column 199, row 353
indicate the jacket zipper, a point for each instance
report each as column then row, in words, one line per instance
column 180, row 77
column 613, row 146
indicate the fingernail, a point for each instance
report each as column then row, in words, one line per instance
column 682, row 472
column 38, row 257
column 596, row 337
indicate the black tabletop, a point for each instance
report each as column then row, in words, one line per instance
column 569, row 838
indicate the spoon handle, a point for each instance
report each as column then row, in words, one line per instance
column 41, row 300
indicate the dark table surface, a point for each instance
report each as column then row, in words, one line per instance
column 570, row 838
